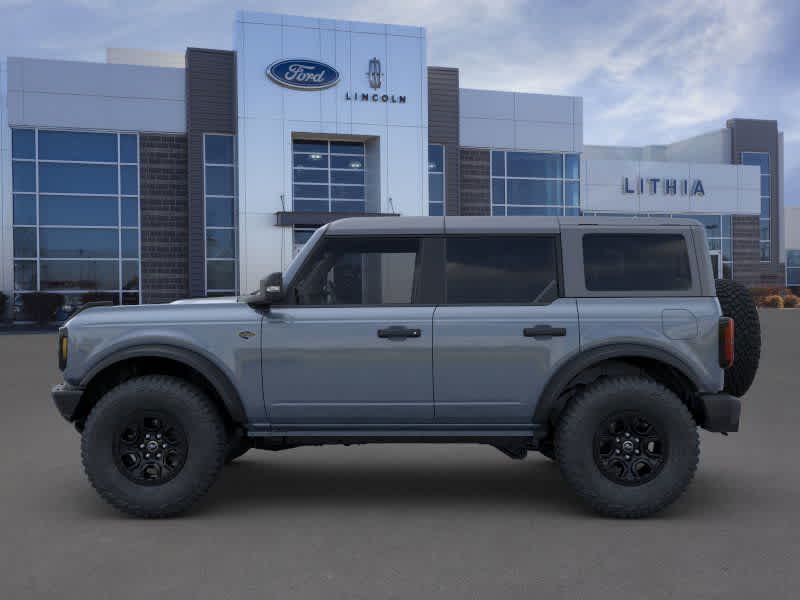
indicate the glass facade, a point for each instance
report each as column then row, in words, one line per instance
column 535, row 183
column 761, row 160
column 328, row 176
column 435, row 180
column 219, row 158
column 718, row 232
column 75, row 216
column 793, row 267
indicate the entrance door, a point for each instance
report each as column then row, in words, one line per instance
column 716, row 263
column 354, row 345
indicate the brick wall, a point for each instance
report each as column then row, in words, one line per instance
column 475, row 199
column 747, row 268
column 164, row 217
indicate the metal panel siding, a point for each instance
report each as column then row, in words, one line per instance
column 210, row 108
column 443, row 128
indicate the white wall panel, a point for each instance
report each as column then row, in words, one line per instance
column 486, row 104
column 539, row 135
column 363, row 47
column 486, row 133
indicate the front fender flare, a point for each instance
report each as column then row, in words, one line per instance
column 218, row 379
column 586, row 359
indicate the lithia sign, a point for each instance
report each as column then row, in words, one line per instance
column 667, row 186
column 306, row 74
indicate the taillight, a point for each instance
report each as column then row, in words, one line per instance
column 726, row 342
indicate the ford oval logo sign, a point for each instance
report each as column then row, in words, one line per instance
column 303, row 74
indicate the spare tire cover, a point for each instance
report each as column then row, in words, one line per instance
column 738, row 304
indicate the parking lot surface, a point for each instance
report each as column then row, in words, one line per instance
column 401, row 521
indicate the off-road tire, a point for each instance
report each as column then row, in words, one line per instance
column 737, row 303
column 547, row 449
column 205, row 442
column 575, row 450
column 238, row 444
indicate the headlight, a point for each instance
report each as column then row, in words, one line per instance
column 63, row 347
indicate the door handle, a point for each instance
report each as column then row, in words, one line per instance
column 544, row 331
column 399, row 332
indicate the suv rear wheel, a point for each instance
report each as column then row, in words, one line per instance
column 628, row 446
column 153, row 445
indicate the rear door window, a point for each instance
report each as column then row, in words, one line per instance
column 636, row 262
column 501, row 270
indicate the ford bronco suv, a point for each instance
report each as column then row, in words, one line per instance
column 602, row 343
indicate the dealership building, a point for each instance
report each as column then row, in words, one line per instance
column 156, row 176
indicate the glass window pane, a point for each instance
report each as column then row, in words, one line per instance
column 310, row 191
column 793, row 277
column 78, row 243
column 315, row 161
column 77, row 145
column 77, row 179
column 23, row 143
column 130, row 274
column 219, row 181
column 436, row 187
column 572, row 211
column 793, row 258
column 765, row 185
column 352, row 177
column 311, row 175
column 347, row 148
column 130, row 212
column 23, row 176
column 219, row 212
column 618, row 262
column 500, row 270
column 531, row 164
column 310, row 146
column 353, row 206
column 77, row 210
column 573, row 166
column 765, row 207
column 129, row 299
column 763, row 228
column 25, row 275
column 726, row 226
column 311, row 205
column 221, row 274
column 130, row 243
column 498, row 191
column 712, row 223
column 360, row 271
column 498, row 210
column 347, row 162
column 219, row 149
column 759, row 159
column 727, row 249
column 128, row 148
column 344, row 192
column 25, row 242
column 534, row 211
column 79, row 275
column 301, row 236
column 573, row 193
column 765, row 250
column 220, row 243
column 522, row 191
column 714, row 243
column 435, row 158
column 435, row 209
column 129, row 180
column 498, row 163
column 24, row 209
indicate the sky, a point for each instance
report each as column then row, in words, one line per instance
column 649, row 72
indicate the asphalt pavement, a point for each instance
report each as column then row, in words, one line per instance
column 401, row 521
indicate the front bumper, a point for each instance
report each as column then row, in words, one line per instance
column 67, row 398
column 719, row 412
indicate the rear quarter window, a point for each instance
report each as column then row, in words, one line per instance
column 636, row 262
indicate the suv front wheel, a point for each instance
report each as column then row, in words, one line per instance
column 153, row 445
column 628, row 446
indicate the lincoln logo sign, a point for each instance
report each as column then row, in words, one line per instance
column 302, row 74
column 667, row 186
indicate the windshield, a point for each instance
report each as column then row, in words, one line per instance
column 298, row 260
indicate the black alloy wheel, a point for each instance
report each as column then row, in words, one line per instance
column 629, row 449
column 150, row 448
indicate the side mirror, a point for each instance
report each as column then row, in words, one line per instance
column 270, row 291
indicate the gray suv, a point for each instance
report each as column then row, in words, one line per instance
column 601, row 343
